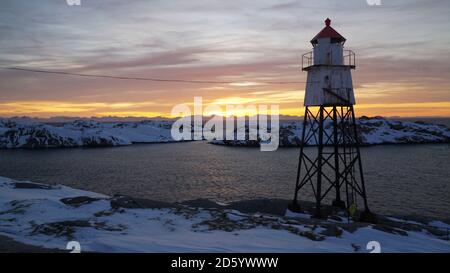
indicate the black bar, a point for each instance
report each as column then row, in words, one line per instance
column 160, row 262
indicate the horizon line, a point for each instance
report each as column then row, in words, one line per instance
column 204, row 116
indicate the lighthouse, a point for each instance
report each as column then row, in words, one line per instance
column 329, row 79
column 332, row 168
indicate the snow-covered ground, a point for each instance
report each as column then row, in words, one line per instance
column 51, row 216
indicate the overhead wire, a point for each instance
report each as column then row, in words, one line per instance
column 144, row 78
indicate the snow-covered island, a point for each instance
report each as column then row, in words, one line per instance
column 372, row 130
column 51, row 216
column 90, row 133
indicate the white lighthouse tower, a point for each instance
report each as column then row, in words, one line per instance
column 329, row 67
column 329, row 124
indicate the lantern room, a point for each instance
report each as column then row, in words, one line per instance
column 328, row 49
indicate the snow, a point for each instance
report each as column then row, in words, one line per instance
column 29, row 134
column 404, row 221
column 372, row 131
column 297, row 214
column 439, row 224
column 29, row 215
column 23, row 133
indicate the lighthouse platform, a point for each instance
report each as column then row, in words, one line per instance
column 349, row 60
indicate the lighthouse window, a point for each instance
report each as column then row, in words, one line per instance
column 327, row 81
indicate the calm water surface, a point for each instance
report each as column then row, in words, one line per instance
column 400, row 179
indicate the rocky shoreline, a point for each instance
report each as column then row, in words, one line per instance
column 49, row 216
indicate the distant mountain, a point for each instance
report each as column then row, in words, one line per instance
column 64, row 119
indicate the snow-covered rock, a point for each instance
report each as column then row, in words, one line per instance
column 23, row 134
column 51, row 216
column 376, row 130
column 83, row 132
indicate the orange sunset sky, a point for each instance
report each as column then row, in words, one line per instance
column 402, row 55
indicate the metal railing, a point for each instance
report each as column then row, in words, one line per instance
column 307, row 60
column 349, row 59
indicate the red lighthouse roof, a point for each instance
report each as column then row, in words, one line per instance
column 328, row 32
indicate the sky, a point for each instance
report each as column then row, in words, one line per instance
column 402, row 54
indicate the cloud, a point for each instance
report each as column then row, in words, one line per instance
column 401, row 47
column 185, row 56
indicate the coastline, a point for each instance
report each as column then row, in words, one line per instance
column 33, row 215
column 16, row 134
column 9, row 245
